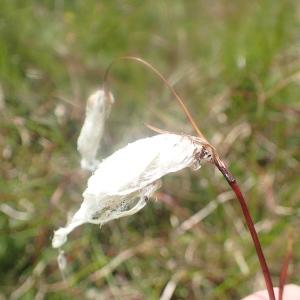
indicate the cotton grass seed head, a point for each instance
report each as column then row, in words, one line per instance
column 124, row 181
column 97, row 110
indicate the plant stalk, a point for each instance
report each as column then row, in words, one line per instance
column 162, row 78
column 285, row 267
column 263, row 264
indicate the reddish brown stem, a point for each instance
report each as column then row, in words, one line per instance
column 233, row 184
column 284, row 270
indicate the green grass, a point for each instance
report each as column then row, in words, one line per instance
column 233, row 62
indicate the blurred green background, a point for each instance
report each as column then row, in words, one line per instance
column 236, row 64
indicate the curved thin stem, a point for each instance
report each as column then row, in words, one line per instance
column 234, row 186
column 285, row 266
column 165, row 81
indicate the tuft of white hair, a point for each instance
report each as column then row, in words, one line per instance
column 124, row 181
column 97, row 110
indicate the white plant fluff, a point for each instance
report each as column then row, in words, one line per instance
column 97, row 110
column 123, row 182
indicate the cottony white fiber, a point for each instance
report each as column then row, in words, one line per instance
column 124, row 181
column 97, row 110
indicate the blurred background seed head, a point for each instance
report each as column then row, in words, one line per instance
column 237, row 65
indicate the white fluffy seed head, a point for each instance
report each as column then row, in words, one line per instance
column 97, row 110
column 124, row 181
column 62, row 261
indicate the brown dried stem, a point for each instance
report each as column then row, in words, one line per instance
column 165, row 81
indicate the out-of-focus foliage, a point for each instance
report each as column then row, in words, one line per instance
column 236, row 63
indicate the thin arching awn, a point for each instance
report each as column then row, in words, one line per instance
column 217, row 162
